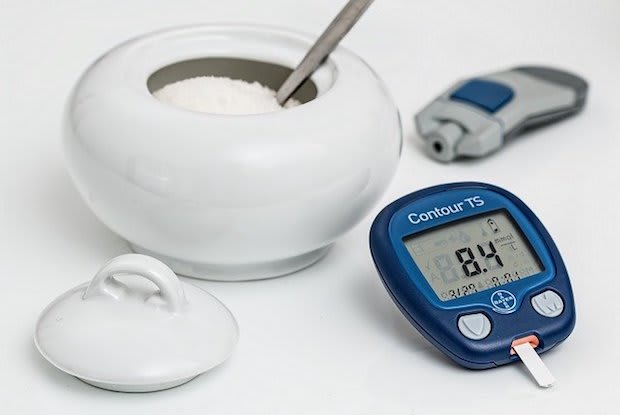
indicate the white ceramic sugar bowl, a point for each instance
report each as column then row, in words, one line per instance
column 230, row 197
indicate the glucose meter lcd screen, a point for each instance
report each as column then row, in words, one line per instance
column 473, row 255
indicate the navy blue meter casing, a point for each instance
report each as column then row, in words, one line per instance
column 513, row 310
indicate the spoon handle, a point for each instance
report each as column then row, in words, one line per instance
column 325, row 44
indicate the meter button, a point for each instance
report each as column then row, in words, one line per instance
column 474, row 326
column 548, row 304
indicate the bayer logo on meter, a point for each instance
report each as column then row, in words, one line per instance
column 503, row 301
column 473, row 269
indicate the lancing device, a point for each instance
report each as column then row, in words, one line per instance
column 476, row 116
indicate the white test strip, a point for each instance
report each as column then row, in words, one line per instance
column 534, row 364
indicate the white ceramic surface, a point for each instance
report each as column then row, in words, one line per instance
column 221, row 196
column 145, row 333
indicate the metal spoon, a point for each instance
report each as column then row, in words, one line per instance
column 325, row 44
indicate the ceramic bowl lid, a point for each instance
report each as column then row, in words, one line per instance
column 134, row 335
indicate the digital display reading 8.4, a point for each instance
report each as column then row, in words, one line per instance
column 473, row 255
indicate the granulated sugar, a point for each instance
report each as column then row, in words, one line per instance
column 221, row 95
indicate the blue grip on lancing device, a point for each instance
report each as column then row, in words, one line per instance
column 487, row 95
column 474, row 271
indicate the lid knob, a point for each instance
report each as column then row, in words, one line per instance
column 103, row 283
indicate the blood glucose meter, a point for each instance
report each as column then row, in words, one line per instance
column 475, row 272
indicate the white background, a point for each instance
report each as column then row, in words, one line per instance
column 328, row 339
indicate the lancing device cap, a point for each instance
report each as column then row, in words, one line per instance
column 476, row 116
column 145, row 333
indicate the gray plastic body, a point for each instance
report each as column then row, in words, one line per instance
column 452, row 128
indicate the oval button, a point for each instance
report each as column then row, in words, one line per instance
column 548, row 304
